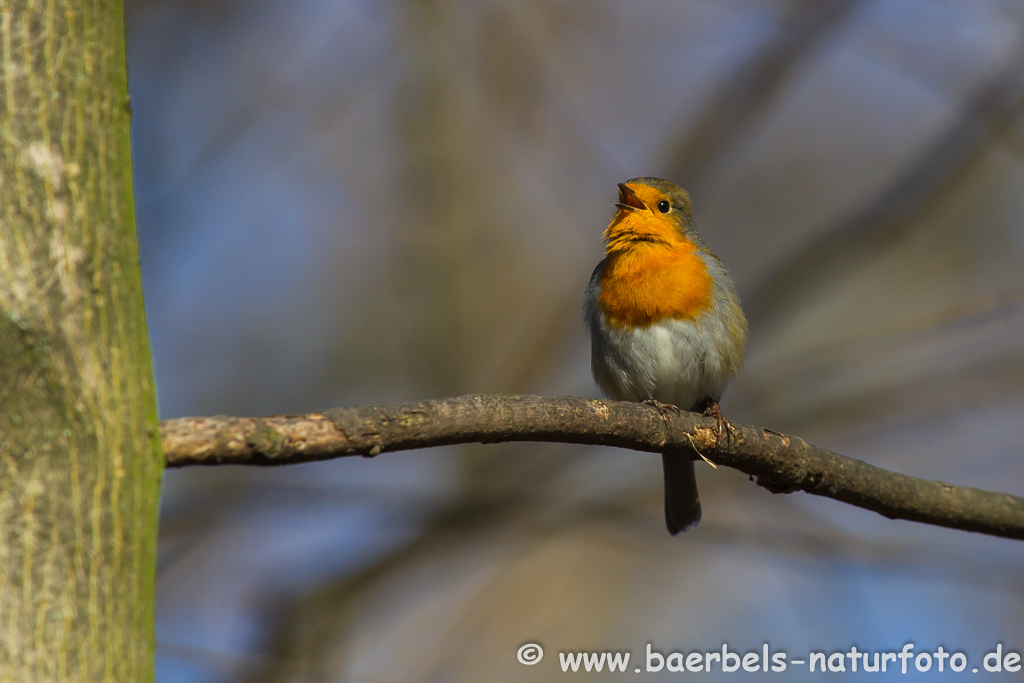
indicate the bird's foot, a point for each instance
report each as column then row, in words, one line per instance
column 663, row 408
column 723, row 428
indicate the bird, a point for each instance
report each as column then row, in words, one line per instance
column 666, row 325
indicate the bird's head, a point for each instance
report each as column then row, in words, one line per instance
column 652, row 212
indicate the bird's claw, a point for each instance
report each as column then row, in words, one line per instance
column 723, row 427
column 663, row 408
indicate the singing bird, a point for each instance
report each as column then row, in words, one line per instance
column 666, row 327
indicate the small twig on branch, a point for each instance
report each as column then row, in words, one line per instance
column 780, row 462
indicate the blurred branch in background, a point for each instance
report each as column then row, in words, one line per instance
column 983, row 118
column 742, row 96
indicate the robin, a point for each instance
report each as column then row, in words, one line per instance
column 666, row 327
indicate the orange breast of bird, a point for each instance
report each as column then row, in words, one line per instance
column 651, row 273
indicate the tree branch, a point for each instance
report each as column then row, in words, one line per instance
column 781, row 463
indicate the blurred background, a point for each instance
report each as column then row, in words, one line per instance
column 360, row 201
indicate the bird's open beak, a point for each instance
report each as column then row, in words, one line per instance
column 628, row 201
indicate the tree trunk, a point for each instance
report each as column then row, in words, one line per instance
column 80, row 460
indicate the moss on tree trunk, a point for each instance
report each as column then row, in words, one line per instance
column 80, row 461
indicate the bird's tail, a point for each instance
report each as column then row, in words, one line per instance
column 682, row 502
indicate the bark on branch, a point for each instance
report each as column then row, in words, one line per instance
column 780, row 462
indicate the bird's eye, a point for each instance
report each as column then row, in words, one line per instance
column 664, row 206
